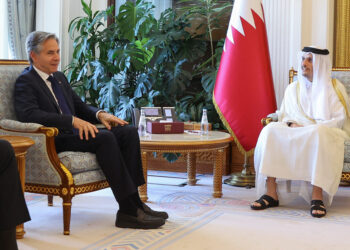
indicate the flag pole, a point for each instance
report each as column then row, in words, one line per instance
column 246, row 178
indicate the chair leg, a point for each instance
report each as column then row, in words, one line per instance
column 50, row 200
column 67, row 205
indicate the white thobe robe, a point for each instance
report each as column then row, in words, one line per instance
column 312, row 154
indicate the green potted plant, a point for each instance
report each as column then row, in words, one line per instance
column 109, row 67
column 206, row 17
column 140, row 61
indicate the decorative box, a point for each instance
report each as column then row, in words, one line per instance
column 194, row 126
column 156, row 127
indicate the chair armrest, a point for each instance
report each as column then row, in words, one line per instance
column 273, row 117
column 19, row 126
column 42, row 163
column 265, row 121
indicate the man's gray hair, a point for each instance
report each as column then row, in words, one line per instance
column 35, row 40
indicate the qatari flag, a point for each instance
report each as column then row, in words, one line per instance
column 244, row 92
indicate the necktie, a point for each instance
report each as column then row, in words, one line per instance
column 59, row 95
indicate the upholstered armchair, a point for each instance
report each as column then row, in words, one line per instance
column 343, row 75
column 65, row 174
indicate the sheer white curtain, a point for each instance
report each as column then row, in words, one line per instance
column 4, row 45
column 161, row 5
column 21, row 21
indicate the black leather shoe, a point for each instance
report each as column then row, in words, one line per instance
column 142, row 221
column 150, row 211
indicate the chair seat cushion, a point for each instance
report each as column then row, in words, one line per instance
column 78, row 162
column 346, row 167
column 347, row 151
column 88, row 177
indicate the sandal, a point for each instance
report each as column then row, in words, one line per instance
column 271, row 202
column 317, row 205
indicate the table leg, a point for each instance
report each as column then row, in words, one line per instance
column 217, row 180
column 191, row 169
column 143, row 188
column 21, row 170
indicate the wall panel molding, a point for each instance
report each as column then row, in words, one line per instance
column 342, row 34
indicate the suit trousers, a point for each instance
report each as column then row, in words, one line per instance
column 13, row 209
column 118, row 154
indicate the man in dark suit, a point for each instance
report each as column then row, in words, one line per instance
column 13, row 209
column 43, row 95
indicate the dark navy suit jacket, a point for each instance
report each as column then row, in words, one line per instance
column 117, row 151
column 34, row 102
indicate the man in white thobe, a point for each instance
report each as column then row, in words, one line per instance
column 307, row 142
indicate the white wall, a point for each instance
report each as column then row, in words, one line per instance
column 48, row 16
column 279, row 29
column 318, row 17
column 55, row 15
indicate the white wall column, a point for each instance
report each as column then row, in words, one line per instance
column 318, row 23
column 48, row 16
column 54, row 16
column 278, row 16
column 71, row 9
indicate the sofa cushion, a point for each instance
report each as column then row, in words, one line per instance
column 346, row 167
column 9, row 74
column 344, row 77
column 347, row 151
column 78, row 162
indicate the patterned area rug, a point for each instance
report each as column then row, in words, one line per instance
column 34, row 198
column 197, row 221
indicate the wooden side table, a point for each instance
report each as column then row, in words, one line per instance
column 20, row 145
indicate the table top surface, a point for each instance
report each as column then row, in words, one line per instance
column 187, row 137
column 17, row 140
column 20, row 144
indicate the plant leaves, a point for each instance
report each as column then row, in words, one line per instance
column 171, row 157
column 87, row 8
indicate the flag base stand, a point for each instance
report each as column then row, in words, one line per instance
column 242, row 179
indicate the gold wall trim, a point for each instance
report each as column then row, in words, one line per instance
column 342, row 34
column 341, row 69
column 14, row 62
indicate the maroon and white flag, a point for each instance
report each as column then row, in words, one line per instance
column 244, row 92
